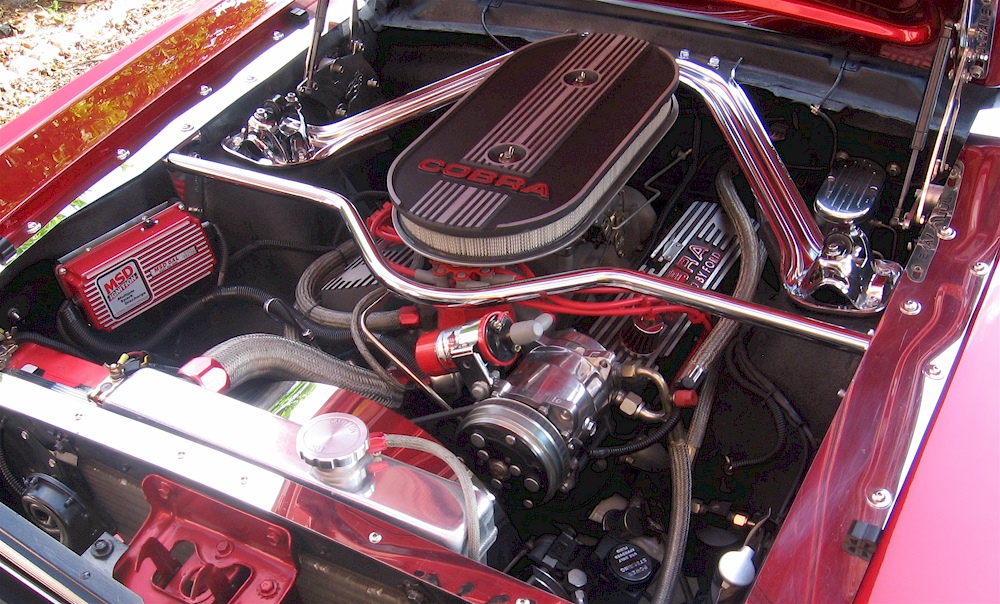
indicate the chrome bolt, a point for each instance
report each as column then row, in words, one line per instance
column 510, row 440
column 372, row 83
column 205, row 90
column 980, row 269
column 62, row 270
column 277, row 36
column 893, row 169
column 14, row 314
column 714, row 62
column 186, row 127
column 528, row 504
column 374, row 537
column 33, row 227
column 933, row 371
column 52, row 463
column 122, row 154
column 684, row 54
column 880, row 499
column 946, row 233
column 24, row 435
column 524, row 601
column 911, row 307
column 85, row 575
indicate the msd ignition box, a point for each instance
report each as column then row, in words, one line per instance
column 138, row 265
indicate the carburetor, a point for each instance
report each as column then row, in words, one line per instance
column 527, row 438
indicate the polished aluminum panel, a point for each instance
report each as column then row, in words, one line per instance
column 423, row 503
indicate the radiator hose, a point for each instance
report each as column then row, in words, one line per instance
column 262, row 355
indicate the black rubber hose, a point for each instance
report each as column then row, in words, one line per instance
column 37, row 338
column 71, row 324
column 640, row 443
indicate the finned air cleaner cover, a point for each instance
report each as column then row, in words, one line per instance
column 527, row 161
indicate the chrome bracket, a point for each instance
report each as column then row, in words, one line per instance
column 971, row 61
column 845, row 268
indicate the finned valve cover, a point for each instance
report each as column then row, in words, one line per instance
column 523, row 164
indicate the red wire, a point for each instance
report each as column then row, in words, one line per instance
column 380, row 225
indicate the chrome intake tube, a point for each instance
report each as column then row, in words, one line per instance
column 797, row 236
column 529, row 288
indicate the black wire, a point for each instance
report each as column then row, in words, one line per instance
column 279, row 245
column 777, row 416
column 223, row 251
column 689, row 175
column 833, row 129
column 434, row 418
column 486, row 28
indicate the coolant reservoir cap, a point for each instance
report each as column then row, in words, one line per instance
column 332, row 440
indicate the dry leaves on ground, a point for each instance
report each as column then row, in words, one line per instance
column 45, row 45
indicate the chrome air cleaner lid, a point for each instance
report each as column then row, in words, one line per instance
column 527, row 161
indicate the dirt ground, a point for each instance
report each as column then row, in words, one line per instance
column 46, row 43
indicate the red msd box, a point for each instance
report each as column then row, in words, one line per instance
column 138, row 265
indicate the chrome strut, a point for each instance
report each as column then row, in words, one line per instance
column 638, row 282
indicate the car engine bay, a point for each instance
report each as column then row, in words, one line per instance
column 581, row 313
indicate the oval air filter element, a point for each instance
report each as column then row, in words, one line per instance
column 527, row 161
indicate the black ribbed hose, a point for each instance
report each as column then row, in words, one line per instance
column 31, row 337
column 10, row 479
column 640, row 443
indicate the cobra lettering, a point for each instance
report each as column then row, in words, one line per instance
column 483, row 176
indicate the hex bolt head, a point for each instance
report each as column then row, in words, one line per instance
column 267, row 588
column 911, row 307
column 980, row 269
column 374, row 537
column 205, row 90
column 880, row 499
column 947, row 233
column 122, row 154
column 102, row 549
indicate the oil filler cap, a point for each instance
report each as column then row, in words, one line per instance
column 332, row 441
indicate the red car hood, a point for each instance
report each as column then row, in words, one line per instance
column 847, row 22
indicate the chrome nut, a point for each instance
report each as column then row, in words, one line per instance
column 630, row 404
